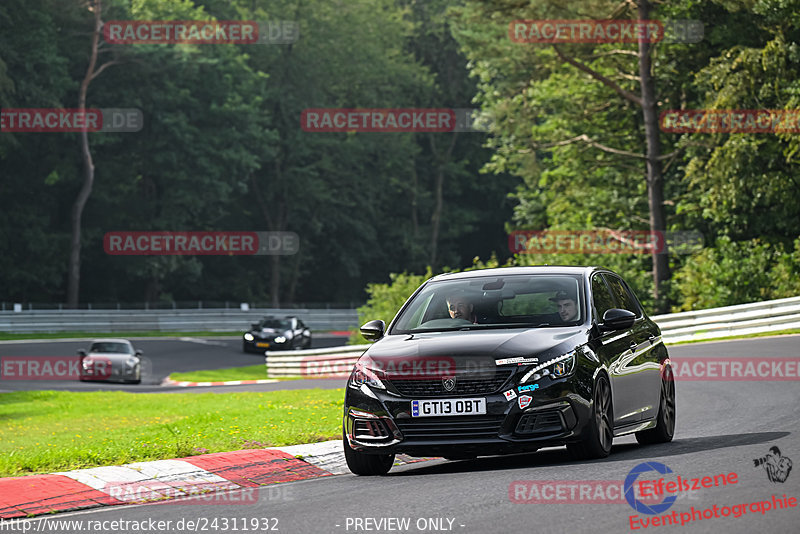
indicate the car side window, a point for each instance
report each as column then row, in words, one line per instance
column 623, row 295
column 601, row 297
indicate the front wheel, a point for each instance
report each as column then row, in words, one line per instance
column 367, row 464
column 601, row 428
column 665, row 422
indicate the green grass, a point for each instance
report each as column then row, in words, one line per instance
column 746, row 336
column 45, row 431
column 250, row 372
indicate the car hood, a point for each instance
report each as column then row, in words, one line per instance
column 271, row 332
column 482, row 345
column 112, row 356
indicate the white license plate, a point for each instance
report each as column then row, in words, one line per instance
column 447, row 407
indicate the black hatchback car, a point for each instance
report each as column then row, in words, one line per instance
column 509, row 360
column 272, row 333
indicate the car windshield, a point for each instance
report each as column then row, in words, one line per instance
column 513, row 301
column 110, row 346
column 277, row 324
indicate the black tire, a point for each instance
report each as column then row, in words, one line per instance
column 367, row 464
column 245, row 347
column 601, row 428
column 665, row 421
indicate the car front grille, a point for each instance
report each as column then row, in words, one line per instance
column 446, row 428
column 466, row 384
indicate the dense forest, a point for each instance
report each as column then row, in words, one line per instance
column 568, row 143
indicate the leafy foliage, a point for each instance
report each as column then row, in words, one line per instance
column 385, row 300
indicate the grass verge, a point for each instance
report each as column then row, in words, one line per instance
column 250, row 372
column 45, row 431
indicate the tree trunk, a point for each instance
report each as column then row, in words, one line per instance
column 655, row 178
column 74, row 276
column 436, row 217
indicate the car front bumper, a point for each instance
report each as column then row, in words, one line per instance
column 380, row 422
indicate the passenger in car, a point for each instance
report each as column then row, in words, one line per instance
column 567, row 306
column 460, row 307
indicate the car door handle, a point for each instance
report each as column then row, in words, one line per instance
column 652, row 339
column 633, row 346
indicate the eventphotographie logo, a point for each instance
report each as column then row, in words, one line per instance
column 200, row 32
column 777, row 467
column 163, row 243
column 44, row 120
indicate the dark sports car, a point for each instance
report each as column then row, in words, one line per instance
column 509, row 360
column 276, row 334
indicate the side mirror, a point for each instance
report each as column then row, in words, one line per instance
column 617, row 319
column 254, row 326
column 82, row 353
column 373, row 330
column 138, row 353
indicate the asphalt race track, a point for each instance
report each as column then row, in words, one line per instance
column 722, row 426
column 160, row 358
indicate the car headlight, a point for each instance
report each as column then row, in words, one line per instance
column 558, row 367
column 131, row 362
column 249, row 337
column 280, row 339
column 362, row 375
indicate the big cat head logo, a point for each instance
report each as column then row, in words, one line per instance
column 449, row 383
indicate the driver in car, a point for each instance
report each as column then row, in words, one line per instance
column 459, row 307
column 567, row 306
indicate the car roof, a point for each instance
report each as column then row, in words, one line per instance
column 111, row 340
column 538, row 269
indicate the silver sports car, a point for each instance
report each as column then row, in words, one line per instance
column 111, row 360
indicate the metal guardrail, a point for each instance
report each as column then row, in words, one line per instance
column 769, row 316
column 210, row 320
column 330, row 362
column 742, row 319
